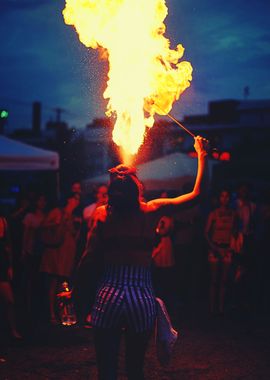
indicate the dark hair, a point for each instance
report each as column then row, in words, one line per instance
column 224, row 190
column 33, row 204
column 96, row 189
column 124, row 189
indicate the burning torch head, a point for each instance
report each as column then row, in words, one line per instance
column 124, row 189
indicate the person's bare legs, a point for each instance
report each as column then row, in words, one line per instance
column 223, row 283
column 213, row 263
column 136, row 346
column 107, row 344
column 6, row 294
column 52, row 298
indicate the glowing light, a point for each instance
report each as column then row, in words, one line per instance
column 145, row 76
column 215, row 155
column 4, row 114
column 225, row 156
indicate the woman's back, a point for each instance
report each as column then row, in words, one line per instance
column 124, row 238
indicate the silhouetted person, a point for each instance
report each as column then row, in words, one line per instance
column 6, row 275
column 221, row 227
column 60, row 233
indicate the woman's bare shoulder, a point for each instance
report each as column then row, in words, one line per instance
column 100, row 213
column 144, row 206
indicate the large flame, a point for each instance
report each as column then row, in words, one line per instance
column 145, row 76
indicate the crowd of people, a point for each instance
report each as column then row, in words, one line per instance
column 44, row 244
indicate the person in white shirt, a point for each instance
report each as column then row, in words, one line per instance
column 101, row 196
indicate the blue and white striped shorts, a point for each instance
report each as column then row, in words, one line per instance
column 125, row 298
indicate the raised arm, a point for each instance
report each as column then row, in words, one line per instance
column 155, row 204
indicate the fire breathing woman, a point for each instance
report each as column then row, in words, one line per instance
column 125, row 297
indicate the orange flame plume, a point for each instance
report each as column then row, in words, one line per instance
column 145, row 76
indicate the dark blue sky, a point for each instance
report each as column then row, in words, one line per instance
column 41, row 58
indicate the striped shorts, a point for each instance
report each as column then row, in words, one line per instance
column 125, row 299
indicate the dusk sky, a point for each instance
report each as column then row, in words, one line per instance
column 41, row 58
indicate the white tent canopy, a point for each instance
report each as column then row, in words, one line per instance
column 15, row 155
column 166, row 173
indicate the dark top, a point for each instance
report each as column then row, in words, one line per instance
column 122, row 239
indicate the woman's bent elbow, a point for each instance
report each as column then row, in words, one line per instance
column 195, row 193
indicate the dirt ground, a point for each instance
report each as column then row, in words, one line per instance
column 231, row 347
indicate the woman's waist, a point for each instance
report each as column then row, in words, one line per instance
column 131, row 257
column 131, row 275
